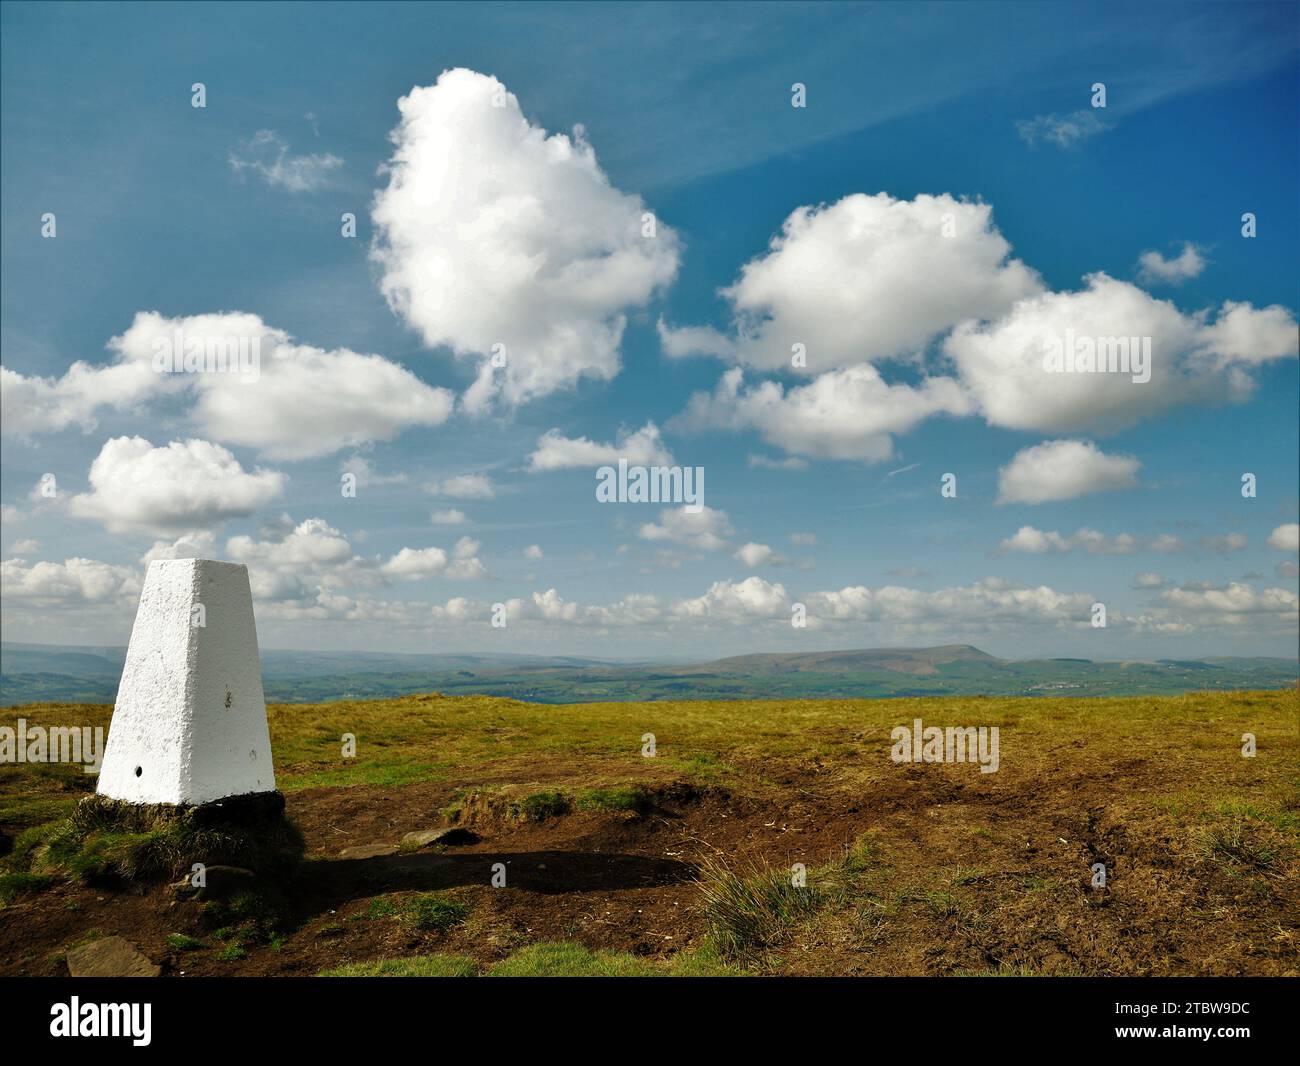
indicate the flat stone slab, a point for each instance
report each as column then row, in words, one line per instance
column 427, row 838
column 113, row 956
column 368, row 851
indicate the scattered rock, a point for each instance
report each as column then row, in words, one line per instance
column 368, row 851
column 112, row 956
column 426, row 838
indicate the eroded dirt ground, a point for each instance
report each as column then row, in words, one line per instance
column 966, row 872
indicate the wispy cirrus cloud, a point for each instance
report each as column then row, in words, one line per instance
column 267, row 156
column 1061, row 131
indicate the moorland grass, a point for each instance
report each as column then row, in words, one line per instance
column 429, row 737
column 108, row 840
column 184, row 942
column 634, row 798
column 750, row 912
column 549, row 959
column 1239, row 814
column 411, row 966
column 425, row 911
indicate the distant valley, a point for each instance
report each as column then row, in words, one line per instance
column 35, row 672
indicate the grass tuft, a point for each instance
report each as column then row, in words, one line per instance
column 567, row 959
column 413, row 966
column 426, row 911
column 182, row 942
column 542, row 805
column 14, row 885
column 633, row 798
column 749, row 915
column 432, row 912
column 1236, row 842
column 552, row 959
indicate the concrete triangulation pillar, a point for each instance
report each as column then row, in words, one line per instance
column 189, row 725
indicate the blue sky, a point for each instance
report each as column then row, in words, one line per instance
column 822, row 483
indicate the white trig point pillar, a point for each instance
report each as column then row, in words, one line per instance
column 189, row 725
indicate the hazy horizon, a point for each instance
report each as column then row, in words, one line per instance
column 676, row 659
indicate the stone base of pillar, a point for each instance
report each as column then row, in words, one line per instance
column 108, row 840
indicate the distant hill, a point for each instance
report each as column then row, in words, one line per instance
column 917, row 661
column 33, row 672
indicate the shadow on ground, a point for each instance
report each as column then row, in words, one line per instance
column 330, row 883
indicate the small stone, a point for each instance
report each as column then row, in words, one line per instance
column 425, row 838
column 113, row 956
column 368, row 851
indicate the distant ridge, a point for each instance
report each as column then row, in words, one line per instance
column 31, row 672
column 918, row 661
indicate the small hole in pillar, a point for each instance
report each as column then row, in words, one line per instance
column 252, row 756
column 139, row 770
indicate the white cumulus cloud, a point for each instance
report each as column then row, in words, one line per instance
column 177, row 487
column 1192, row 359
column 198, row 545
column 1154, row 268
column 492, row 232
column 754, row 555
column 297, row 402
column 1033, row 541
column 752, row 598
column 931, row 284
column 1062, row 470
column 71, row 581
column 644, row 447
column 843, row 414
column 1285, row 537
column 866, row 278
column 1235, row 598
column 703, row 530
